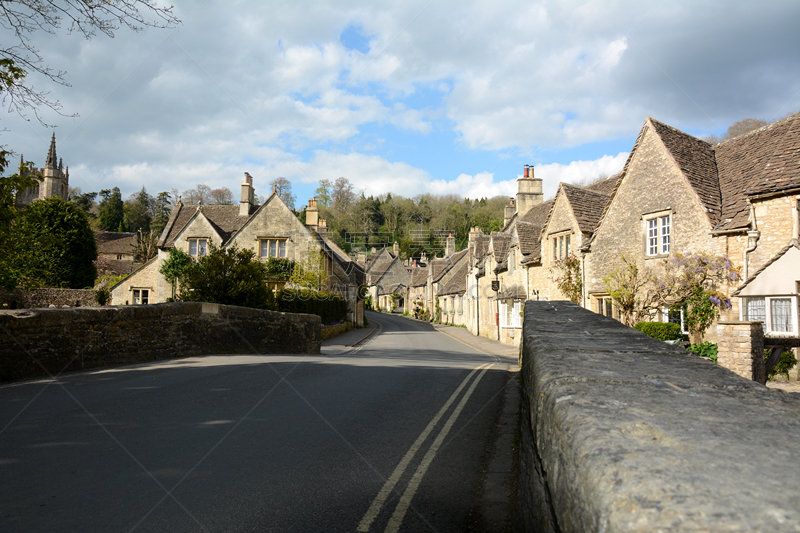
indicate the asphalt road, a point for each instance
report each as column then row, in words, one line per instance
column 388, row 437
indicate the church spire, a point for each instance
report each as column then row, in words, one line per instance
column 51, row 154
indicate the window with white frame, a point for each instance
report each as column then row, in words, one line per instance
column 198, row 247
column 272, row 248
column 141, row 296
column 675, row 316
column 778, row 314
column 510, row 311
column 604, row 305
column 658, row 235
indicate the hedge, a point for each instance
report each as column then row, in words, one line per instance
column 665, row 331
column 330, row 307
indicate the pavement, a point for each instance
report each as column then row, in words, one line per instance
column 344, row 342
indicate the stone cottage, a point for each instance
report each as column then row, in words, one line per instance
column 269, row 230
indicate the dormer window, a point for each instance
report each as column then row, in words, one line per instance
column 198, row 247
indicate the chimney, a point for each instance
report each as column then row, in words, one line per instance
column 529, row 191
column 248, row 196
column 396, row 249
column 450, row 247
column 361, row 258
column 312, row 213
column 509, row 213
column 322, row 227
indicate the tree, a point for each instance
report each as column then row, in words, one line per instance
column 162, row 208
column 323, row 193
column 310, row 272
column 229, row 276
column 738, row 128
column 342, row 195
column 145, row 247
column 23, row 18
column 136, row 214
column 54, row 246
column 84, row 201
column 283, row 188
column 567, row 275
column 110, row 212
column 9, row 187
column 199, row 195
column 174, row 267
column 222, row 196
column 626, row 286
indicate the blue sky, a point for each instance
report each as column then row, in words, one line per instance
column 405, row 97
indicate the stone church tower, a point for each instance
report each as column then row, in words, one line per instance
column 55, row 180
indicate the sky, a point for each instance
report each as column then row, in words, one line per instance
column 402, row 96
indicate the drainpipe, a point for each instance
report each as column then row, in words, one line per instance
column 477, row 308
column 497, row 305
column 583, row 280
column 752, row 242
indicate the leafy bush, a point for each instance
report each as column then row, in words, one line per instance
column 328, row 306
column 705, row 349
column 102, row 296
column 788, row 360
column 664, row 331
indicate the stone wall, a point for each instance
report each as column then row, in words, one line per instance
column 622, row 432
column 78, row 338
column 43, row 298
column 741, row 349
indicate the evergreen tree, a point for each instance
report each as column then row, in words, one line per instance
column 136, row 214
column 54, row 246
column 161, row 212
column 110, row 212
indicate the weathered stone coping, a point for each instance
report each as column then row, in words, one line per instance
column 621, row 432
column 33, row 340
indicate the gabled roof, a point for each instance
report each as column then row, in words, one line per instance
column 419, row 277
column 529, row 230
column 587, row 206
column 457, row 284
column 763, row 161
column 605, row 185
column 793, row 244
column 443, row 266
column 115, row 242
column 695, row 158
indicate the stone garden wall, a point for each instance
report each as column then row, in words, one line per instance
column 35, row 342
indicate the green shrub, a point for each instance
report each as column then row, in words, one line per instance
column 788, row 360
column 705, row 349
column 328, row 306
column 664, row 331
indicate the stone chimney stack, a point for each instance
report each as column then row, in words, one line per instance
column 509, row 213
column 450, row 247
column 529, row 191
column 361, row 257
column 396, row 249
column 322, row 227
column 312, row 213
column 248, row 196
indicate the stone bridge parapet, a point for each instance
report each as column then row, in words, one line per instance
column 622, row 432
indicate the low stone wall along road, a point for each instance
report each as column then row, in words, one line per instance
column 389, row 436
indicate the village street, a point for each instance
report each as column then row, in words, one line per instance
column 389, row 435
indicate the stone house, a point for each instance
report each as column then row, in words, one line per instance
column 117, row 249
column 269, row 230
column 387, row 279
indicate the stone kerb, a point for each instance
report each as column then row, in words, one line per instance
column 741, row 349
column 78, row 338
column 621, row 432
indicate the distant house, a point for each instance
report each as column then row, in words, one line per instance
column 269, row 230
column 117, row 249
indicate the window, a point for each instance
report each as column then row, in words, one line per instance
column 198, row 247
column 605, row 306
column 272, row 248
column 675, row 316
column 510, row 311
column 658, row 235
column 561, row 247
column 141, row 296
column 777, row 314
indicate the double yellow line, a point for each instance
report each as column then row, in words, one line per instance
column 413, row 485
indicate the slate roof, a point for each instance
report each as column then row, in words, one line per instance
column 587, row 206
column 696, row 159
column 606, row 185
column 792, row 244
column 419, row 277
column 759, row 162
column 115, row 242
column 446, row 264
column 457, row 284
column 224, row 218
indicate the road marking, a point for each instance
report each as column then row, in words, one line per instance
column 413, row 485
column 383, row 494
